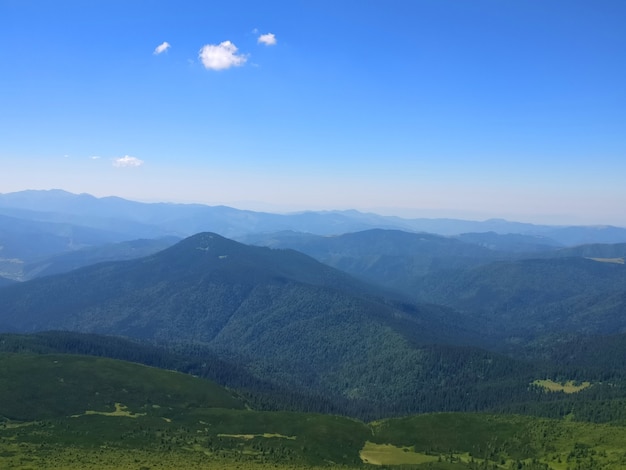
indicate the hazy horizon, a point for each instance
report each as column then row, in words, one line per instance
column 415, row 108
column 257, row 206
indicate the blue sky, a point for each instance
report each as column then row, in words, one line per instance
column 472, row 109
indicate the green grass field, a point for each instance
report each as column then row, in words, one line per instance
column 221, row 438
column 566, row 387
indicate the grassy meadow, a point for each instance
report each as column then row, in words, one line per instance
column 242, row 439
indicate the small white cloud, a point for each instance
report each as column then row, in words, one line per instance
column 268, row 39
column 127, row 161
column 95, row 157
column 162, row 48
column 221, row 56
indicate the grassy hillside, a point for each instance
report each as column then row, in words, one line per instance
column 472, row 379
column 435, row 378
column 53, row 406
column 45, row 386
column 73, row 412
column 506, row 441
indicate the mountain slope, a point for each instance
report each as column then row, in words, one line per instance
column 68, row 261
column 204, row 280
column 284, row 315
column 536, row 296
column 391, row 258
column 44, row 386
column 72, row 412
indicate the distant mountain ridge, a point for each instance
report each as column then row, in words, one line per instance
column 186, row 219
column 35, row 225
column 393, row 258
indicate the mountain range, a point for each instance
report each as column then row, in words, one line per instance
column 271, row 309
column 37, row 227
column 152, row 220
column 340, row 313
column 289, row 319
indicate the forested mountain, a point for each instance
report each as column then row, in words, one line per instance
column 391, row 258
column 40, row 224
column 511, row 242
column 290, row 326
column 530, row 290
column 446, row 377
column 536, row 296
column 284, row 315
column 296, row 330
column 300, row 324
column 615, row 252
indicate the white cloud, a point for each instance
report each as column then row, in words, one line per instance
column 127, row 161
column 268, row 39
column 95, row 157
column 221, row 56
column 162, row 48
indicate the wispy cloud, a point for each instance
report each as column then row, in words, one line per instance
column 221, row 56
column 127, row 161
column 95, row 157
column 162, row 48
column 268, row 39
